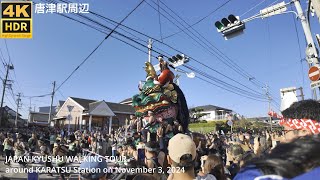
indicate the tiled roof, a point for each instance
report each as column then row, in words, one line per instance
column 83, row 102
column 116, row 107
column 126, row 100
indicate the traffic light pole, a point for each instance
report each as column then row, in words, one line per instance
column 312, row 56
column 280, row 8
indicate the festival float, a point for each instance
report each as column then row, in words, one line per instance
column 164, row 99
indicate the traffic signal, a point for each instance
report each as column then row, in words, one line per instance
column 230, row 27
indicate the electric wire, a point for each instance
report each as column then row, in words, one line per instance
column 98, row 46
column 211, row 83
column 160, row 26
column 231, row 64
column 252, row 8
column 140, row 44
column 197, row 22
column 299, row 47
column 259, row 84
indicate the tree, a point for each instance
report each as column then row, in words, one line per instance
column 196, row 114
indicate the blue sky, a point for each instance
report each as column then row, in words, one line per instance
column 112, row 73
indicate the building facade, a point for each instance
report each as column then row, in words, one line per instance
column 211, row 112
column 80, row 114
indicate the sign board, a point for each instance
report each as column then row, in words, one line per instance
column 314, row 73
column 69, row 117
column 230, row 123
column 315, row 84
column 70, row 108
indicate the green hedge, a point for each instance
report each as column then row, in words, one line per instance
column 209, row 126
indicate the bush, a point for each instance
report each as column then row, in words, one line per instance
column 203, row 121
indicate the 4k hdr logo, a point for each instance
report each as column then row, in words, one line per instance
column 16, row 20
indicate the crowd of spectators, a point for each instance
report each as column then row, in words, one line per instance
column 173, row 155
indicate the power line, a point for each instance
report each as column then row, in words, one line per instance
column 299, row 47
column 116, row 33
column 160, row 20
column 208, row 45
column 224, row 83
column 197, row 22
column 61, row 94
column 98, row 46
column 252, row 8
column 218, row 54
column 44, row 95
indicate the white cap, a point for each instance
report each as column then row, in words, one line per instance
column 179, row 145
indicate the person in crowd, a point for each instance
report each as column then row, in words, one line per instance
column 160, row 132
column 182, row 157
column 19, row 150
column 52, row 140
column 257, row 146
column 45, row 152
column 8, row 148
column 60, row 152
column 72, row 145
column 119, row 151
column 94, row 144
column 99, row 145
column 154, row 157
column 234, row 156
column 2, row 137
column 212, row 168
column 132, row 151
column 298, row 157
column 94, row 168
column 32, row 143
column 151, row 127
column 168, row 134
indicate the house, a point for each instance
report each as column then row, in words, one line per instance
column 127, row 101
column 41, row 118
column 211, row 112
column 78, row 114
column 11, row 116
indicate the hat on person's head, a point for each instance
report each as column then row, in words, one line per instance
column 150, row 112
column 180, row 145
column 90, row 167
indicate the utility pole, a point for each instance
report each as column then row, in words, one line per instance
column 52, row 95
column 149, row 50
column 233, row 26
column 311, row 51
column 17, row 112
column 269, row 105
column 9, row 67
